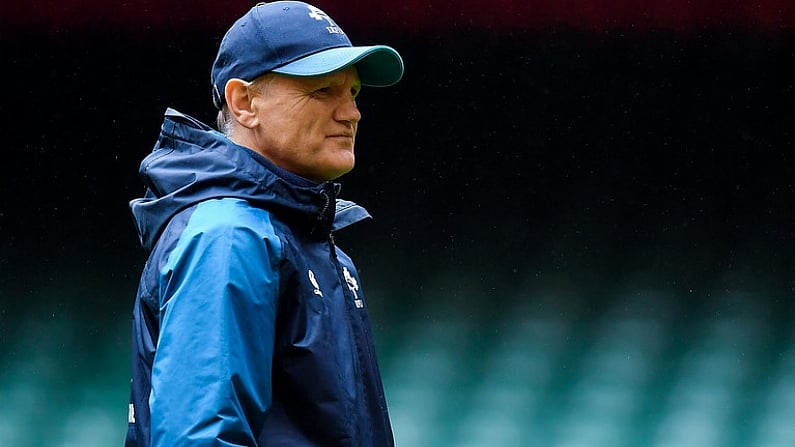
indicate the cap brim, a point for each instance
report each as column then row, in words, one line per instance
column 378, row 66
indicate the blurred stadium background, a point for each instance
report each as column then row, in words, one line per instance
column 583, row 215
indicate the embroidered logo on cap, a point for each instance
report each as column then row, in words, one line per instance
column 317, row 14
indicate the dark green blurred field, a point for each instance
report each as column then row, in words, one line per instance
column 539, row 366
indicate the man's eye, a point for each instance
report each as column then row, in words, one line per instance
column 355, row 92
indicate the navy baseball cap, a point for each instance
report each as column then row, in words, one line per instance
column 296, row 39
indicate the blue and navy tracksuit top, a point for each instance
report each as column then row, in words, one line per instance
column 250, row 327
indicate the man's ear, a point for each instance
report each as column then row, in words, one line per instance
column 239, row 101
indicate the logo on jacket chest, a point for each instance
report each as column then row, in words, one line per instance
column 353, row 286
column 350, row 281
column 313, row 280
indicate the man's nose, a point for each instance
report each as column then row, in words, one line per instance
column 347, row 110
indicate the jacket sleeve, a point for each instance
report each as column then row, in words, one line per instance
column 211, row 377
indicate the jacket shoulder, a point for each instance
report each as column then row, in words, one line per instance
column 229, row 213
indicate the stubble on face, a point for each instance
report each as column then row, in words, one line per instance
column 308, row 125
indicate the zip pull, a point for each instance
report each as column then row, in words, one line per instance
column 332, row 245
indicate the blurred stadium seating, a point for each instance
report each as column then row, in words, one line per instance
column 549, row 369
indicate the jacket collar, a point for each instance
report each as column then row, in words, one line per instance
column 192, row 162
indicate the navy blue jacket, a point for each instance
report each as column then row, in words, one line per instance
column 250, row 327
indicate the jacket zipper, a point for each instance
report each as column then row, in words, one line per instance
column 333, row 247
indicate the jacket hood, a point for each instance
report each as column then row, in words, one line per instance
column 192, row 162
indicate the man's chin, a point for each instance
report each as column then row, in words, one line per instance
column 340, row 173
column 333, row 171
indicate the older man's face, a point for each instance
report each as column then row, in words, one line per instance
column 308, row 124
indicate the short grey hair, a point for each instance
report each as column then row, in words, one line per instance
column 224, row 121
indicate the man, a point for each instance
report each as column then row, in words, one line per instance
column 250, row 326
